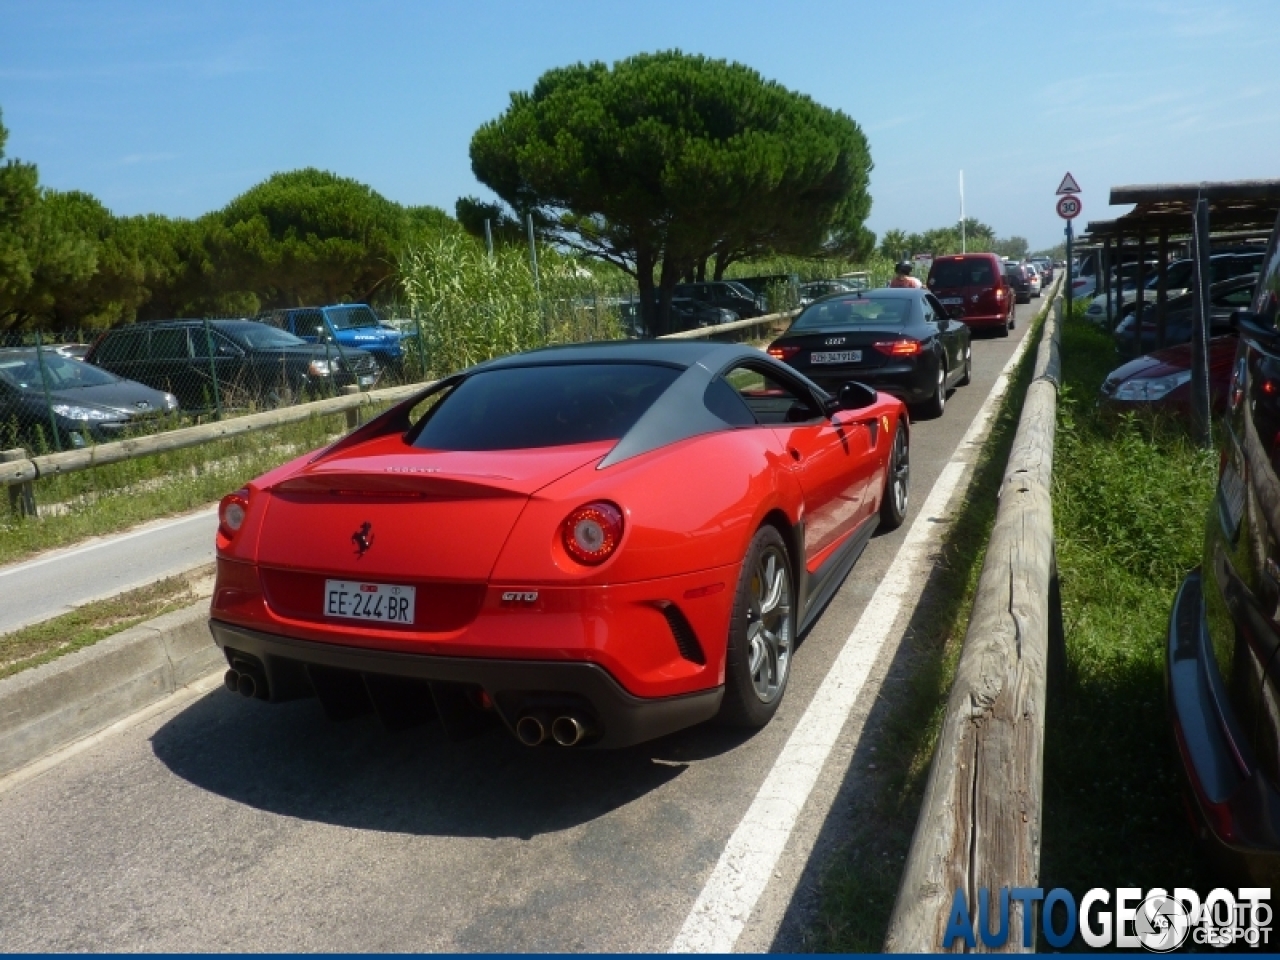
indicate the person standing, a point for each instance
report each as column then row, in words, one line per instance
column 902, row 276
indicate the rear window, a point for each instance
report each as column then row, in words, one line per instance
column 844, row 311
column 517, row 408
column 962, row 273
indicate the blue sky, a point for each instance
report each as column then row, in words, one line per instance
column 175, row 108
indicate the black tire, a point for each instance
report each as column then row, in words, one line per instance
column 897, row 481
column 968, row 368
column 762, row 633
column 936, row 405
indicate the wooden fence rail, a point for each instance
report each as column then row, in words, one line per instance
column 979, row 826
column 17, row 469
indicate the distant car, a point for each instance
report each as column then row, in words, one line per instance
column 512, row 555
column 973, row 288
column 82, row 400
column 1019, row 279
column 692, row 314
column 1222, row 652
column 1034, row 280
column 75, row 351
column 253, row 362
column 1225, row 298
column 349, row 326
column 1045, row 265
column 817, row 289
column 899, row 340
column 721, row 293
column 858, row 280
column 1161, row 381
column 1178, row 279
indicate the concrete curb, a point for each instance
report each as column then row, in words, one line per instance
column 54, row 705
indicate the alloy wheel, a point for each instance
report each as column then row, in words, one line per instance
column 769, row 625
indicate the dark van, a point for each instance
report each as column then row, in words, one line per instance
column 973, row 288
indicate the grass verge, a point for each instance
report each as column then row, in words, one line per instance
column 114, row 497
column 1129, row 504
column 860, row 883
column 42, row 642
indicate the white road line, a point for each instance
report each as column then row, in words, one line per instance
column 109, row 541
column 747, row 864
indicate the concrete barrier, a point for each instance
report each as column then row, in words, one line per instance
column 52, row 706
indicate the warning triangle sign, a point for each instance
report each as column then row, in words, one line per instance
column 1068, row 185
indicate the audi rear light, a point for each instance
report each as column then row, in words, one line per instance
column 899, row 348
column 784, row 352
column 232, row 511
column 592, row 532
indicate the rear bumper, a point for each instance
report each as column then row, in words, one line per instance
column 513, row 687
column 1237, row 814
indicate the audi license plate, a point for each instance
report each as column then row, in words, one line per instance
column 381, row 602
column 836, row 356
column 951, row 301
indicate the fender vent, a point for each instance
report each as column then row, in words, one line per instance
column 682, row 632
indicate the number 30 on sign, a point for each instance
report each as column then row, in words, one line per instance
column 1069, row 207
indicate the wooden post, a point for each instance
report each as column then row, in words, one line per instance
column 1162, row 286
column 22, row 496
column 1139, row 291
column 353, row 413
column 1104, row 264
column 1200, row 412
column 980, row 824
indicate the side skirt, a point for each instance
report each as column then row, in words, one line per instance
column 822, row 584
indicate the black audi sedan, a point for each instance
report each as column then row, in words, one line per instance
column 898, row 340
column 1223, row 647
column 81, row 401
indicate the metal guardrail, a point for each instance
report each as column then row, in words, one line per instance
column 980, row 823
column 19, row 471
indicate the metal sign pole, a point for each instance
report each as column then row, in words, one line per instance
column 1070, row 235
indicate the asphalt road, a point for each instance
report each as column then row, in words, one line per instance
column 61, row 580
column 223, row 824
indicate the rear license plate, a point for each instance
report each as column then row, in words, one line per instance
column 951, row 301
column 837, row 356
column 381, row 602
column 366, row 381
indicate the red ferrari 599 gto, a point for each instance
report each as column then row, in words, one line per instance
column 595, row 544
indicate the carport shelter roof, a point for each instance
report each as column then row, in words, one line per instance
column 1233, row 205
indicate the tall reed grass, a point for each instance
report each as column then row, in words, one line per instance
column 469, row 306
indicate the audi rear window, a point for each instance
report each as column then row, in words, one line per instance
column 962, row 273
column 519, row 408
column 843, row 311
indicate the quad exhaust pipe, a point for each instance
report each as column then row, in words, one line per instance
column 567, row 730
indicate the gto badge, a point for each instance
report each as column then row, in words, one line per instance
column 520, row 596
column 363, row 538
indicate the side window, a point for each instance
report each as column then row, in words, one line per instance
column 929, row 315
column 769, row 399
column 169, row 343
column 123, row 346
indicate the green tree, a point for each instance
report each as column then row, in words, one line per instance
column 666, row 161
column 307, row 237
column 1015, row 247
column 19, row 196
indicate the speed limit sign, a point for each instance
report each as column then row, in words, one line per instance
column 1069, row 207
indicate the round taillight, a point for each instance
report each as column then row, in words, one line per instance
column 232, row 510
column 592, row 532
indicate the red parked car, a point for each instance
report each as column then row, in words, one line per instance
column 1162, row 380
column 973, row 288
column 594, row 544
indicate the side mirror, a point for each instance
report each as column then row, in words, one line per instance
column 855, row 396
